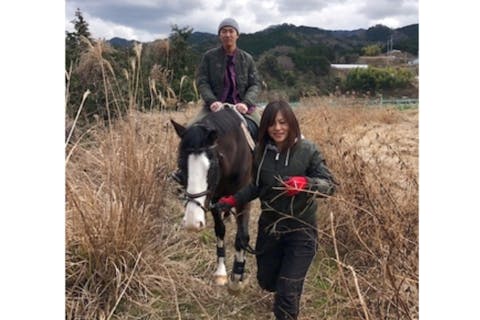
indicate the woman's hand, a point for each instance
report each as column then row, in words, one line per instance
column 225, row 203
column 295, row 184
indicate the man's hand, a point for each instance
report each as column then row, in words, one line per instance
column 241, row 107
column 216, row 106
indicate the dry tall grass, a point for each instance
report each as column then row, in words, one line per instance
column 126, row 255
column 128, row 258
column 370, row 227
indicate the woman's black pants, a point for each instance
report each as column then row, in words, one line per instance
column 283, row 259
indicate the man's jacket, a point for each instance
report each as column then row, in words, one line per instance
column 211, row 76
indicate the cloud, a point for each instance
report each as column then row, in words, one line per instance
column 110, row 30
column 147, row 20
column 305, row 6
column 394, row 13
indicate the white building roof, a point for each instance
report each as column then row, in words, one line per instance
column 349, row 66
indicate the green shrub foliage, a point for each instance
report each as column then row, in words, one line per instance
column 372, row 50
column 377, row 79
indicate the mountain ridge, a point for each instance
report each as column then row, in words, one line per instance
column 344, row 41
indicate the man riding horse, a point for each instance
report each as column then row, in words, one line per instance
column 227, row 74
column 215, row 156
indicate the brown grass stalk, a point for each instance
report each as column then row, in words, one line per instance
column 128, row 258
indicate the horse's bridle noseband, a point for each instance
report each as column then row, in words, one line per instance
column 192, row 197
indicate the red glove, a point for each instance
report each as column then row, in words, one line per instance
column 226, row 203
column 295, row 185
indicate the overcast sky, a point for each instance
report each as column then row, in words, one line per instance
column 32, row 124
column 147, row 20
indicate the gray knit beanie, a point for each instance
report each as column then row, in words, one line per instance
column 229, row 22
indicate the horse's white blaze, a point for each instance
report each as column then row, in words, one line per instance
column 198, row 166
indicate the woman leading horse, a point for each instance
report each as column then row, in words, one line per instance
column 289, row 173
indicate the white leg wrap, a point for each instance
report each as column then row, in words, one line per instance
column 220, row 276
column 221, row 269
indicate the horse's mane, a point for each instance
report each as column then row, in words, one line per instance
column 223, row 121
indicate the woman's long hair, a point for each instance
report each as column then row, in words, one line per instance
column 268, row 119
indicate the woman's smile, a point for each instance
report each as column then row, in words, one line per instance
column 278, row 131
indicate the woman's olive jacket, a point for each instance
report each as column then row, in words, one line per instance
column 272, row 166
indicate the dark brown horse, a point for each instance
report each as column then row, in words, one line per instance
column 216, row 157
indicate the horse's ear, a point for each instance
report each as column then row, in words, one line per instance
column 179, row 129
column 212, row 136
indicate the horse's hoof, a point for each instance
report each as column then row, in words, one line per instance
column 236, row 287
column 220, row 280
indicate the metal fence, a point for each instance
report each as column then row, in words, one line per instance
column 401, row 103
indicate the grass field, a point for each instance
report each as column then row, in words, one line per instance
column 128, row 258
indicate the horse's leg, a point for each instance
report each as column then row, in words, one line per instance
column 220, row 275
column 237, row 280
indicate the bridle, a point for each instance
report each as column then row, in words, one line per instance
column 192, row 197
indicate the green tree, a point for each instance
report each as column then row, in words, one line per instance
column 379, row 33
column 371, row 50
column 91, row 65
column 74, row 46
column 181, row 62
column 269, row 67
column 180, row 48
column 314, row 60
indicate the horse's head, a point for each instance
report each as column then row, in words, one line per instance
column 198, row 159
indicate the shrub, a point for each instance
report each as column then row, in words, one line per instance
column 377, row 79
column 371, row 50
